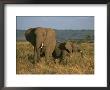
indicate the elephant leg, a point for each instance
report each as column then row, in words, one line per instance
column 52, row 48
column 50, row 54
column 47, row 56
column 38, row 54
column 35, row 54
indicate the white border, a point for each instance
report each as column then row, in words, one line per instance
column 96, row 80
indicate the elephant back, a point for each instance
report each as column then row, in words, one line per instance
column 50, row 37
column 40, row 35
column 45, row 36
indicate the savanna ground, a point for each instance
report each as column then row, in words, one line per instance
column 76, row 64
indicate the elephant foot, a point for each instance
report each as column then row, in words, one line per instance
column 36, row 60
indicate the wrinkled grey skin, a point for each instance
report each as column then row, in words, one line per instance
column 57, row 52
column 43, row 40
column 65, row 49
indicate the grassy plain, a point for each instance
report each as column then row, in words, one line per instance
column 76, row 64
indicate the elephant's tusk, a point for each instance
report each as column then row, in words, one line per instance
column 80, row 51
column 42, row 45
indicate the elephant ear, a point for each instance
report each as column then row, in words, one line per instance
column 27, row 35
column 68, row 46
column 30, row 35
column 62, row 46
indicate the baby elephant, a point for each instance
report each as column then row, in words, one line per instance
column 65, row 49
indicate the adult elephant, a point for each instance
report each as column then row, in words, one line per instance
column 43, row 39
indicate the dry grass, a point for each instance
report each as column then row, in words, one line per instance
column 76, row 64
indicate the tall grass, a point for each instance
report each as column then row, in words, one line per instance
column 73, row 64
